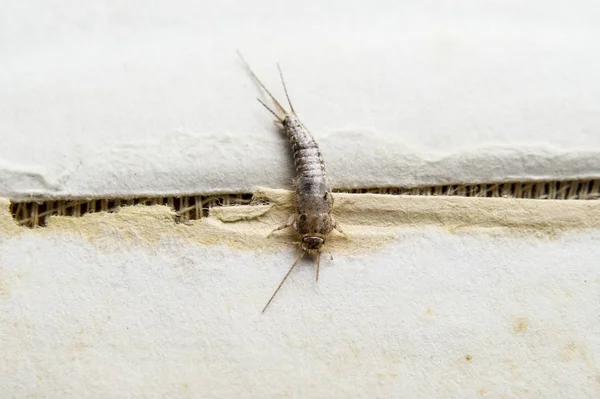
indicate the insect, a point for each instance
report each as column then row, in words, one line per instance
column 313, row 219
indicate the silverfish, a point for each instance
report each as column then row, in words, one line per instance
column 313, row 219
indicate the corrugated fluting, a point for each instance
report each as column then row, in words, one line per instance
column 191, row 207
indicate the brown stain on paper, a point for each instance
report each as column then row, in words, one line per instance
column 520, row 325
column 573, row 350
column 370, row 220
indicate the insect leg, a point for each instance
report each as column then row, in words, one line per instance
column 289, row 223
column 337, row 227
column 283, row 281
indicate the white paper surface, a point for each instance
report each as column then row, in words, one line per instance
column 116, row 99
column 432, row 315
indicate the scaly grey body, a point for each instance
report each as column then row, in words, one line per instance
column 313, row 219
column 314, row 202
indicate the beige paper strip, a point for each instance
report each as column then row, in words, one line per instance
column 370, row 220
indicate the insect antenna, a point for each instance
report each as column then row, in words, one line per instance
column 285, row 89
column 318, row 264
column 283, row 281
column 260, row 83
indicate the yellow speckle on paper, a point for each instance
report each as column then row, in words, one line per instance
column 572, row 351
column 520, row 325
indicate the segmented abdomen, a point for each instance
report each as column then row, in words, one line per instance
column 311, row 179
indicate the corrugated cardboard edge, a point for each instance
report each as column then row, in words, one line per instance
column 370, row 220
